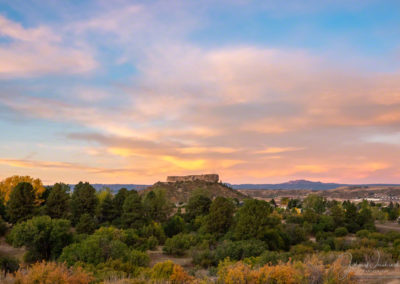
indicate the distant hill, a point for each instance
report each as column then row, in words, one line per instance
column 116, row 187
column 181, row 191
column 290, row 185
column 296, row 184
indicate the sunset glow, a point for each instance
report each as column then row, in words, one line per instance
column 256, row 91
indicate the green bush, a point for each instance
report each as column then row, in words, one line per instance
column 341, row 232
column 8, row 264
column 272, row 257
column 104, row 244
column 179, row 244
column 43, row 237
column 363, row 234
column 240, row 249
column 138, row 258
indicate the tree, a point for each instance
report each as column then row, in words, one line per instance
column 314, row 202
column 253, row 219
column 220, row 217
column 118, row 201
column 351, row 216
column 83, row 201
column 21, row 203
column 57, row 205
column 133, row 215
column 337, row 214
column 106, row 209
column 86, row 224
column 8, row 184
column 174, row 226
column 198, row 205
column 106, row 243
column 43, row 237
column 158, row 208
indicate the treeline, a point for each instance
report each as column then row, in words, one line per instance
column 108, row 235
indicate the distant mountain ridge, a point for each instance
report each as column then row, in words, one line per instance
column 294, row 185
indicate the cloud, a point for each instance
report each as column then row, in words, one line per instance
column 30, row 52
column 276, row 150
column 247, row 111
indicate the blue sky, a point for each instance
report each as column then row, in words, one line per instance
column 257, row 91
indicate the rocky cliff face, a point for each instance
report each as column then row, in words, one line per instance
column 207, row 178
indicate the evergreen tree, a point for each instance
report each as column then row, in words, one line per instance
column 158, row 208
column 83, row 201
column 86, row 224
column 57, row 204
column 252, row 220
column 221, row 216
column 118, row 202
column 133, row 215
column 106, row 210
column 338, row 215
column 198, row 205
column 21, row 204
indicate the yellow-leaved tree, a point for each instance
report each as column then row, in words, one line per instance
column 9, row 183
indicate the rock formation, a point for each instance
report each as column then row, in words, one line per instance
column 207, row 178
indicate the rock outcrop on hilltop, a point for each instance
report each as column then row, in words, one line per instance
column 206, row 178
column 180, row 189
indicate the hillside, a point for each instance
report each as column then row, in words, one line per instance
column 181, row 191
column 295, row 184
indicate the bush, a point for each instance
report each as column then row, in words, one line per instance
column 104, row 244
column 362, row 234
column 138, row 258
column 9, row 264
column 178, row 244
column 162, row 270
column 341, row 232
column 43, row 237
column 240, row 249
column 51, row 272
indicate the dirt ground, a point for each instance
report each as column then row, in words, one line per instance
column 387, row 226
column 11, row 251
column 157, row 256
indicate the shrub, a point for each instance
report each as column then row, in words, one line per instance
column 138, row 258
column 240, row 249
column 104, row 244
column 43, row 237
column 162, row 270
column 362, row 234
column 8, row 264
column 51, row 272
column 178, row 244
column 272, row 257
column 341, row 232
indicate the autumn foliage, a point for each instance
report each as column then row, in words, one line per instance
column 51, row 272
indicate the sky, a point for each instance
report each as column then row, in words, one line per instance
column 256, row 91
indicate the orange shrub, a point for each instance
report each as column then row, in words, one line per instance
column 179, row 276
column 51, row 272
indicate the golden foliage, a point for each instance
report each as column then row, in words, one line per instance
column 179, row 276
column 9, row 183
column 50, row 273
column 312, row 271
